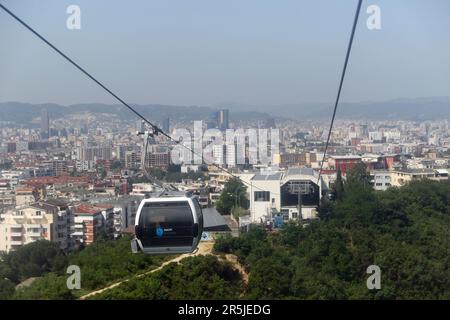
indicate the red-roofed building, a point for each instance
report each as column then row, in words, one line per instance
column 344, row 163
column 91, row 221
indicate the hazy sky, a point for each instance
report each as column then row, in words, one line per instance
column 207, row 52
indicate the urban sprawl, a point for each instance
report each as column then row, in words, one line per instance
column 74, row 179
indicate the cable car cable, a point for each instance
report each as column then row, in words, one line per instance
column 347, row 56
column 155, row 128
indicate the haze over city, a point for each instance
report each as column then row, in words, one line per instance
column 212, row 53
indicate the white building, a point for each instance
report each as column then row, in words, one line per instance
column 380, row 179
column 278, row 192
column 141, row 189
column 230, row 155
column 49, row 220
column 218, row 154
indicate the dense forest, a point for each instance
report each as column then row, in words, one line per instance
column 404, row 231
column 199, row 277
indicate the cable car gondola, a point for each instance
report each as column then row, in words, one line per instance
column 168, row 225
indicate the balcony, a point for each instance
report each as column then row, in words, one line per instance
column 16, row 234
column 34, row 233
column 36, row 217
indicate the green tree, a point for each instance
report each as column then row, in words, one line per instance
column 358, row 177
column 6, row 289
column 338, row 187
column 32, row 260
column 116, row 165
column 103, row 173
column 200, row 277
column 50, row 287
column 233, row 194
column 403, row 230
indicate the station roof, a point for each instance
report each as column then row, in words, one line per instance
column 213, row 220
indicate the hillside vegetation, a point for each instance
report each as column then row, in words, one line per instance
column 404, row 231
column 102, row 263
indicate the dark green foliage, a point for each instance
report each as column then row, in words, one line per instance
column 338, row 188
column 50, row 287
column 358, row 177
column 201, row 277
column 404, row 231
column 233, row 194
column 106, row 261
column 6, row 289
column 32, row 260
column 116, row 165
column 101, row 263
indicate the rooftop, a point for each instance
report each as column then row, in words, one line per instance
column 90, row 209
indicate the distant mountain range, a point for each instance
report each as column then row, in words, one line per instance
column 23, row 113
column 428, row 108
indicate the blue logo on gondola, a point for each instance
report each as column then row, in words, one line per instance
column 159, row 231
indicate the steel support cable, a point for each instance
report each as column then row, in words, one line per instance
column 154, row 127
column 347, row 56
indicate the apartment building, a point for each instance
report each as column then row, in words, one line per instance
column 380, row 179
column 297, row 159
column 343, row 163
column 90, row 222
column 44, row 220
column 401, row 177
column 25, row 195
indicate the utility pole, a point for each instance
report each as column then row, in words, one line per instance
column 299, row 203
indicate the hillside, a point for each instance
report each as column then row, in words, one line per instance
column 102, row 263
column 404, row 231
column 420, row 109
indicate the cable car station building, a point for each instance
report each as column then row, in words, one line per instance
column 284, row 192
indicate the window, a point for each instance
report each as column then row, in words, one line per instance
column 38, row 213
column 176, row 220
column 262, row 196
column 166, row 214
column 294, row 215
